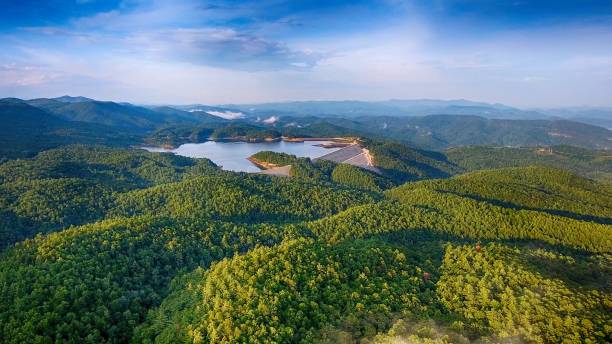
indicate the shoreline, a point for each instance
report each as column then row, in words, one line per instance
column 262, row 164
column 335, row 142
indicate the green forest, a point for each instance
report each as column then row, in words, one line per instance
column 119, row 245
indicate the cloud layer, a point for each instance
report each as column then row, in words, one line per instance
column 521, row 53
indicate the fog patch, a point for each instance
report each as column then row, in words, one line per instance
column 271, row 120
column 226, row 114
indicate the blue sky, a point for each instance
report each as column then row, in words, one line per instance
column 523, row 53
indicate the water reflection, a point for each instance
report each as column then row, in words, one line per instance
column 232, row 156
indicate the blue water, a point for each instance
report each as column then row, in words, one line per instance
column 232, row 156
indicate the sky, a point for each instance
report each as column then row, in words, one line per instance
column 519, row 52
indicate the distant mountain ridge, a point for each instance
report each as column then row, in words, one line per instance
column 70, row 99
column 84, row 120
column 444, row 131
column 393, row 107
column 122, row 115
column 25, row 130
column 600, row 116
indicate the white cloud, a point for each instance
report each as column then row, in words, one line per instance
column 271, row 120
column 26, row 75
column 172, row 52
column 226, row 114
column 223, row 47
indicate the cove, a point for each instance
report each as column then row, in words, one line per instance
column 232, row 156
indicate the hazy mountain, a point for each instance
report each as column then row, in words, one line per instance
column 17, row 116
column 421, row 107
column 394, row 107
column 27, row 129
column 438, row 131
column 69, row 99
column 122, row 115
column 443, row 131
column 601, row 116
column 319, row 108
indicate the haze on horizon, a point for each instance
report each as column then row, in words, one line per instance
column 520, row 53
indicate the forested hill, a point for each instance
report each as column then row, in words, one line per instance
column 594, row 164
column 436, row 132
column 27, row 130
column 78, row 184
column 536, row 188
column 394, row 164
column 112, row 114
column 445, row 131
column 146, row 247
column 340, row 287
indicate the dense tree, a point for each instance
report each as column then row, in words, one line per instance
column 495, row 292
column 242, row 197
column 463, row 217
column 77, row 184
column 94, row 283
column 286, row 293
column 589, row 163
column 44, row 205
column 358, row 177
column 403, row 163
column 176, row 250
column 537, row 188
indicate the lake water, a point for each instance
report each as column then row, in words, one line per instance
column 232, row 156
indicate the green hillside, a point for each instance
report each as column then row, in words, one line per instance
column 243, row 198
column 350, row 291
column 287, row 293
column 117, row 169
column 594, row 164
column 95, row 283
column 403, row 163
column 78, row 184
column 396, row 163
column 27, row 130
column 535, row 188
column 306, row 259
column 444, row 131
column 109, row 245
column 113, row 114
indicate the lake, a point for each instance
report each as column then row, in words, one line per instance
column 232, row 156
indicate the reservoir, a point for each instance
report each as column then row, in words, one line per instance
column 232, row 156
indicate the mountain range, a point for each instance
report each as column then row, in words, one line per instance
column 432, row 124
column 421, row 107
